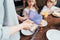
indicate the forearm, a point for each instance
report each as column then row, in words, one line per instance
column 12, row 29
column 21, row 18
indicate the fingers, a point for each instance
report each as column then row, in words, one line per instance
column 29, row 21
column 29, row 25
column 26, row 26
column 55, row 14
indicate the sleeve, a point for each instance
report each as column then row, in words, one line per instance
column 55, row 8
column 4, row 33
column 25, row 12
column 44, row 9
column 0, row 32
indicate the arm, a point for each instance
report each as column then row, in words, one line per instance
column 51, row 11
column 20, row 18
column 25, row 13
column 8, row 31
column 59, row 9
column 42, row 11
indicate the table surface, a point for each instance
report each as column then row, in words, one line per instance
column 53, row 23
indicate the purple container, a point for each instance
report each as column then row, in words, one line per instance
column 34, row 16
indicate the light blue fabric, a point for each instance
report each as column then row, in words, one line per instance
column 8, row 18
column 0, row 33
column 34, row 16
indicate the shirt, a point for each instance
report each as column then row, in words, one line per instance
column 46, row 9
column 8, row 18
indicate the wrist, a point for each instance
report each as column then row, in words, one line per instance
column 20, row 26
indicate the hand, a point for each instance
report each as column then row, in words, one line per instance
column 55, row 15
column 51, row 11
column 26, row 25
column 24, row 18
column 28, row 21
column 33, row 27
column 58, row 10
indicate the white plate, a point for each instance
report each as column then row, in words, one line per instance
column 57, row 13
column 44, row 23
column 26, row 32
column 53, row 34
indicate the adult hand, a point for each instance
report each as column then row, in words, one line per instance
column 26, row 25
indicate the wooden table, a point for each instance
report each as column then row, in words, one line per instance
column 53, row 23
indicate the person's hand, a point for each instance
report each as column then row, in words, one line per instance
column 55, row 15
column 24, row 18
column 29, row 25
column 51, row 11
column 28, row 21
column 26, row 25
column 58, row 10
column 33, row 27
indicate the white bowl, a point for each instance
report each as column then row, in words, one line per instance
column 53, row 34
column 26, row 32
column 44, row 23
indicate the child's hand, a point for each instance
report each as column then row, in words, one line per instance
column 51, row 11
column 55, row 15
column 58, row 10
column 24, row 18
